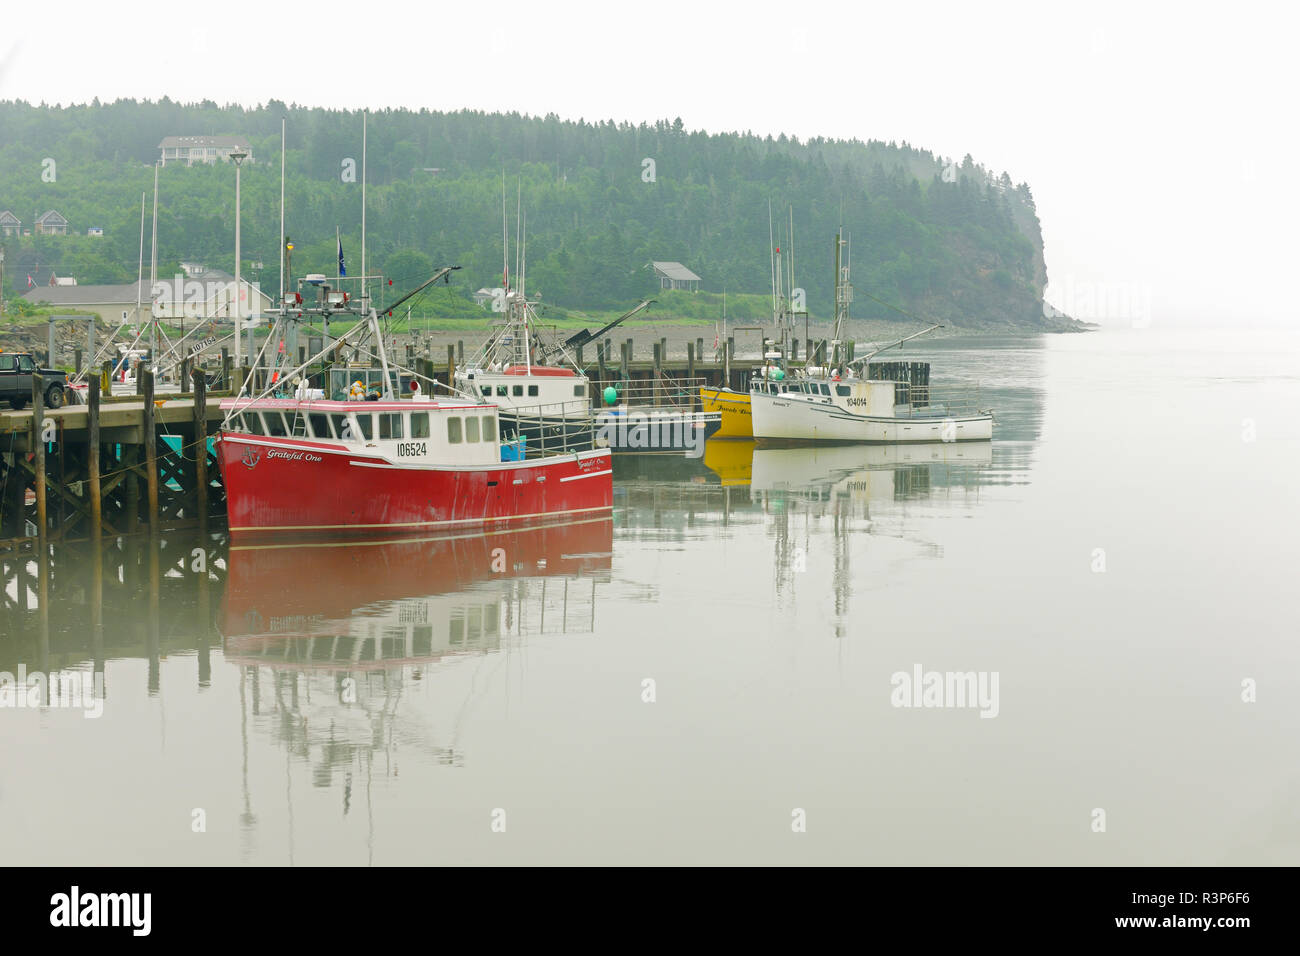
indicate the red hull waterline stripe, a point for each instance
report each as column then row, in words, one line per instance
column 464, row 522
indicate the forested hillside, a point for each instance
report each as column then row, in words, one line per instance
column 936, row 238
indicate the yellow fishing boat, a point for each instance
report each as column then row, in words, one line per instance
column 734, row 406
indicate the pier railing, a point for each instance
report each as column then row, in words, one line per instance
column 954, row 401
column 549, row 429
column 660, row 391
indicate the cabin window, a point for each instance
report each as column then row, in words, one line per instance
column 471, row 428
column 771, row 388
column 489, row 428
column 6, row 363
column 419, row 424
column 826, row 390
column 275, row 424
column 342, row 427
column 580, row 391
column 320, row 425
column 253, row 423
column 842, row 391
column 297, row 424
column 390, row 425
column 532, row 389
column 517, row 390
column 367, row 423
column 422, row 640
column 501, row 391
column 454, row 430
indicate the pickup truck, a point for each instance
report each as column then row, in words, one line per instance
column 16, row 370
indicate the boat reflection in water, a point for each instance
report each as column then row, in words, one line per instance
column 330, row 638
column 866, row 472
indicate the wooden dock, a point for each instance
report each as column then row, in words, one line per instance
column 123, row 465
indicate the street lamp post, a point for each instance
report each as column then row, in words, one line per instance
column 238, row 157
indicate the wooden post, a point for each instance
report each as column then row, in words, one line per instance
column 201, row 446
column 451, row 366
column 460, row 351
column 76, row 360
column 38, row 413
column 601, row 358
column 245, row 378
column 106, row 377
column 226, row 368
column 579, row 356
column 15, row 492
column 150, row 451
column 690, row 375
column 794, row 350
column 92, row 459
column 185, row 375
column 656, row 390
column 131, row 460
column 630, row 343
column 699, row 347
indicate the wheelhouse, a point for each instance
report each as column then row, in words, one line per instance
column 418, row 432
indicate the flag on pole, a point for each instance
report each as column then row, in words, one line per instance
column 343, row 269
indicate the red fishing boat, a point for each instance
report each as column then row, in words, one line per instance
column 301, row 465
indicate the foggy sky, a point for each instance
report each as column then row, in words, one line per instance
column 1159, row 141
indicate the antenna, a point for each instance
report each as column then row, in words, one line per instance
column 505, row 237
column 283, row 288
column 771, row 254
column 519, row 203
column 365, row 281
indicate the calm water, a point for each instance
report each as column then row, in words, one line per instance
column 1122, row 558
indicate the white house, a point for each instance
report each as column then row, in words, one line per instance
column 189, row 150
column 51, row 223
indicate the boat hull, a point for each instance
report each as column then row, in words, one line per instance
column 734, row 409
column 306, row 488
column 781, row 418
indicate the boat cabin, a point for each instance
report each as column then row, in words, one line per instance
column 407, row 432
column 861, row 396
column 528, row 386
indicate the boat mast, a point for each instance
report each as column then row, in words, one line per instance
column 153, row 262
column 139, row 277
column 843, row 292
column 365, row 281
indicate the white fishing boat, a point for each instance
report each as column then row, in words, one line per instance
column 836, row 403
column 547, row 400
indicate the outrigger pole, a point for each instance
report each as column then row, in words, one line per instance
column 907, row 338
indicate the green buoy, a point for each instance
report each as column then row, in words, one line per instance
column 611, row 395
column 778, row 374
